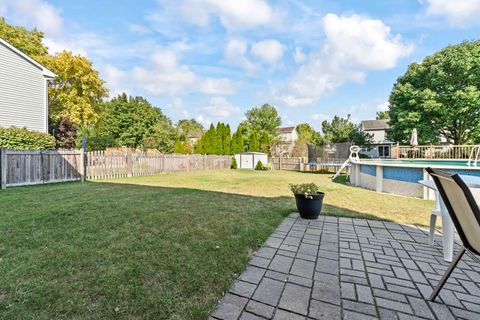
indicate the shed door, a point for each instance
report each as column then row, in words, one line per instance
column 247, row 161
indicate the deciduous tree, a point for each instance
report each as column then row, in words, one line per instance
column 440, row 97
column 264, row 118
column 77, row 91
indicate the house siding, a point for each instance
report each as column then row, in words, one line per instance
column 23, row 92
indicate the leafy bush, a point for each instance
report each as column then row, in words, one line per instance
column 261, row 166
column 234, row 163
column 307, row 189
column 23, row 139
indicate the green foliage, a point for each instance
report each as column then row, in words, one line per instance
column 344, row 130
column 440, row 97
column 186, row 126
column 382, row 115
column 260, row 166
column 182, row 147
column 77, row 92
column 264, row 118
column 265, row 142
column 134, row 122
column 27, row 41
column 253, row 143
column 234, row 163
column 23, row 139
column 305, row 132
column 215, row 140
column 307, row 189
column 65, row 134
column 237, row 143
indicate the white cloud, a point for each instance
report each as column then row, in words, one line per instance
column 216, row 86
column 138, row 28
column 270, row 51
column 164, row 75
column 353, row 45
column 203, row 120
column 319, row 117
column 220, row 108
column 33, row 13
column 178, row 108
column 235, row 54
column 243, row 14
column 457, row 12
column 299, row 56
column 383, row 106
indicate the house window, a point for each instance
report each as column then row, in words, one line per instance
column 384, row 151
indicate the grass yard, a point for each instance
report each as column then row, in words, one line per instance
column 163, row 247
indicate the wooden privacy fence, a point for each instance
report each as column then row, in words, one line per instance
column 26, row 167
column 279, row 163
column 106, row 165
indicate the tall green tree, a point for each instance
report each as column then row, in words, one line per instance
column 265, row 142
column 264, row 118
column 237, row 143
column 343, row 130
column 253, row 144
column 134, row 122
column 440, row 97
column 305, row 132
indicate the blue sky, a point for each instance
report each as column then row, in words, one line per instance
column 214, row 59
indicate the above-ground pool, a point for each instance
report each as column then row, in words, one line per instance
column 401, row 176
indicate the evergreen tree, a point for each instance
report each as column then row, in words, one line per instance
column 253, row 144
column 226, row 140
column 179, row 147
column 265, row 142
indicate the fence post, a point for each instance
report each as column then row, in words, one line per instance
column 129, row 164
column 188, row 162
column 83, row 159
column 3, row 168
column 280, row 163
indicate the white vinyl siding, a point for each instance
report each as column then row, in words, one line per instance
column 22, row 92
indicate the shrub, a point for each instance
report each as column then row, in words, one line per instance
column 307, row 189
column 23, row 139
column 261, row 166
column 65, row 134
column 234, row 163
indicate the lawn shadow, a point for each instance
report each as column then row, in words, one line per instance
column 158, row 252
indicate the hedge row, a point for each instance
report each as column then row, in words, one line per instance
column 23, row 139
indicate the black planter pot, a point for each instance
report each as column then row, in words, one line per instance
column 309, row 208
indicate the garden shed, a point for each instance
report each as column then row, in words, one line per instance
column 248, row 160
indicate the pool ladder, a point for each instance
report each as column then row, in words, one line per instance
column 474, row 155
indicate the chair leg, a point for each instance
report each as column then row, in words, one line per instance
column 433, row 220
column 447, row 274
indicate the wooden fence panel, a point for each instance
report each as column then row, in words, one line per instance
column 27, row 167
column 106, row 165
column 278, row 163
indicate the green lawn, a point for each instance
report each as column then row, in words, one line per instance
column 163, row 247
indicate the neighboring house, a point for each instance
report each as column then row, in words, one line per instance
column 380, row 145
column 193, row 136
column 287, row 134
column 288, row 137
column 23, row 90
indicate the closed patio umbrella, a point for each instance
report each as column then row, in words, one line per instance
column 414, row 138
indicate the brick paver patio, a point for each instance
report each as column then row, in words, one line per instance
column 339, row 268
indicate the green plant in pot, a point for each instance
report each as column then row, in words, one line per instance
column 308, row 198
